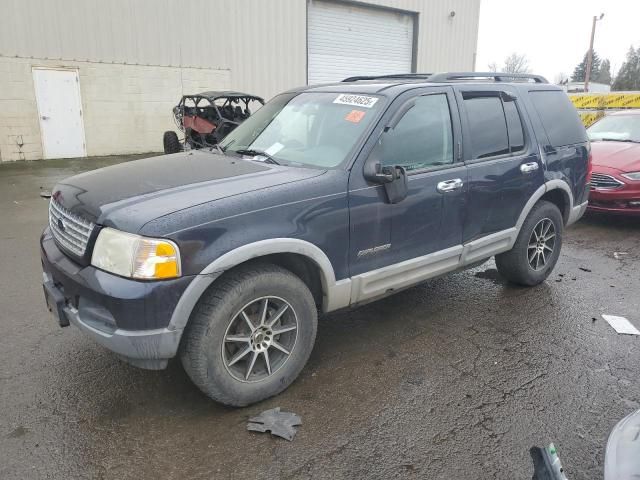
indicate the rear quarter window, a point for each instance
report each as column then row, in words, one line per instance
column 559, row 117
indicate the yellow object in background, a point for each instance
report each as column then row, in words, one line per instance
column 589, row 118
column 593, row 106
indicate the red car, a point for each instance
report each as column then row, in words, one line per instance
column 615, row 150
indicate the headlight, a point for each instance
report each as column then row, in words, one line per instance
column 632, row 175
column 134, row 256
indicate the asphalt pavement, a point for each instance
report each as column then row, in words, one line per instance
column 453, row 379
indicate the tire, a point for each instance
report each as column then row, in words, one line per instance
column 209, row 359
column 530, row 262
column 171, row 142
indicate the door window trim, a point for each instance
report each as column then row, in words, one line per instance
column 455, row 144
column 524, row 152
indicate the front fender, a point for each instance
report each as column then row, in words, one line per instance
column 336, row 294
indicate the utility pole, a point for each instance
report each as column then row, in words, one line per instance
column 587, row 74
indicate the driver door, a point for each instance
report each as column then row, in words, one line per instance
column 424, row 140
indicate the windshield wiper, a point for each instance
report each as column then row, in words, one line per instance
column 258, row 153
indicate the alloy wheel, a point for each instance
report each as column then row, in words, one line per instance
column 541, row 244
column 259, row 339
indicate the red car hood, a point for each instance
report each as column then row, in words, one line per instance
column 620, row 155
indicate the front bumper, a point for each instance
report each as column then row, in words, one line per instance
column 624, row 200
column 129, row 317
column 618, row 202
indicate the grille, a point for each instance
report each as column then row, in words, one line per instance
column 599, row 180
column 69, row 230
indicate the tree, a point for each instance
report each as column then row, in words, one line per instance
column 628, row 77
column 581, row 69
column 514, row 63
column 604, row 74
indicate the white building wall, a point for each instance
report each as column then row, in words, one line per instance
column 136, row 57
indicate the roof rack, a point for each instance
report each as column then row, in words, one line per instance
column 454, row 77
column 417, row 76
column 496, row 76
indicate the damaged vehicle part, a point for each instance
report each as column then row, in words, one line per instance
column 281, row 424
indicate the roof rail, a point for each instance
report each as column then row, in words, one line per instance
column 453, row 76
column 496, row 76
column 408, row 76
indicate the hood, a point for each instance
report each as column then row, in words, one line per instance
column 623, row 156
column 128, row 195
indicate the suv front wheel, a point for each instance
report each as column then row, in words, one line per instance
column 537, row 247
column 250, row 335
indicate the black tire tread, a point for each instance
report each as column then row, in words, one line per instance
column 225, row 288
column 510, row 264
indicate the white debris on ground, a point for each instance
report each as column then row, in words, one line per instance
column 621, row 325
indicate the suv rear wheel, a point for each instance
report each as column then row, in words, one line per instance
column 250, row 335
column 537, row 247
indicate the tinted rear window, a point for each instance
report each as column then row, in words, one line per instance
column 559, row 118
column 514, row 125
column 487, row 126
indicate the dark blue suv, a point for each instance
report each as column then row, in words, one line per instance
column 327, row 197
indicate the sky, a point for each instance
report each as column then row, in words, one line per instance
column 554, row 34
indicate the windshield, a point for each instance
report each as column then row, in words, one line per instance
column 315, row 129
column 622, row 128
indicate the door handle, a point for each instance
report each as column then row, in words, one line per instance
column 44, row 117
column 529, row 167
column 450, row 185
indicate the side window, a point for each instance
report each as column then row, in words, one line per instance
column 514, row 125
column 559, row 117
column 487, row 124
column 423, row 137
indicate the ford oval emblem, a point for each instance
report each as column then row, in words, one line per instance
column 61, row 224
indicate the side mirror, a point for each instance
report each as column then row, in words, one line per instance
column 393, row 177
column 375, row 172
column 397, row 189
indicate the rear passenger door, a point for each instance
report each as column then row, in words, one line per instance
column 563, row 140
column 503, row 164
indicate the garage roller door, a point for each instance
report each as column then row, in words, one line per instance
column 346, row 40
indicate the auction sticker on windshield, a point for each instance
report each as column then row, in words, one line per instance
column 356, row 100
column 354, row 116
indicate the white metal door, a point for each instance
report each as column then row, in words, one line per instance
column 346, row 40
column 60, row 112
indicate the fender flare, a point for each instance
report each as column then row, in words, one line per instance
column 539, row 193
column 334, row 293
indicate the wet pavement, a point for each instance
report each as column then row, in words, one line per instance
column 456, row 378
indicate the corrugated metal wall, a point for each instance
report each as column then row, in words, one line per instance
column 262, row 43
